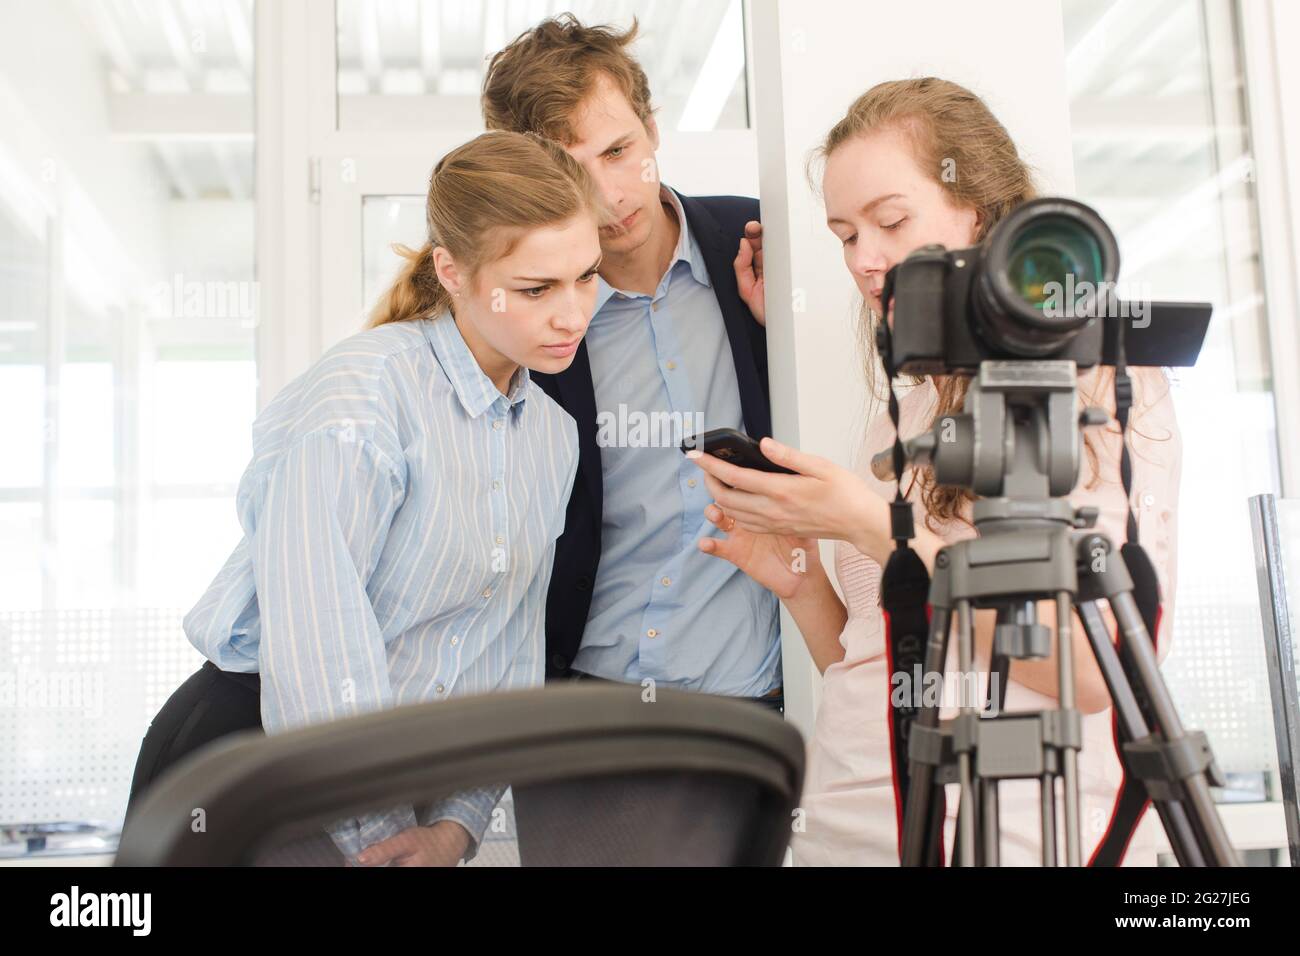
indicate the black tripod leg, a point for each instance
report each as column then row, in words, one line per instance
column 1137, row 648
column 1065, row 701
column 999, row 669
column 995, row 701
column 923, row 812
column 1047, row 799
column 989, row 823
column 1133, row 726
column 964, row 850
column 988, row 849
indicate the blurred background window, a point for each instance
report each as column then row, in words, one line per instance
column 420, row 63
column 1162, row 150
column 128, row 306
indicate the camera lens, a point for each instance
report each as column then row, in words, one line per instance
column 1046, row 272
column 1045, row 254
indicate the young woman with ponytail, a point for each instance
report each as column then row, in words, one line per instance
column 405, row 493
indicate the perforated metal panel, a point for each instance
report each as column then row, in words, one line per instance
column 1217, row 674
column 78, row 689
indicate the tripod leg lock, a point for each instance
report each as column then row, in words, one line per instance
column 1006, row 746
column 1022, row 641
column 1063, row 729
column 1163, row 765
column 930, row 745
column 939, row 746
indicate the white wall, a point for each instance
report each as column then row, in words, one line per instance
column 1270, row 29
column 811, row 60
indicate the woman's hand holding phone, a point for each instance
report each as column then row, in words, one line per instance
column 822, row 501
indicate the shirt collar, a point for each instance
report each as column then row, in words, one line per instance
column 688, row 251
column 472, row 386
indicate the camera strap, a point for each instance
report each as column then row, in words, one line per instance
column 1132, row 798
column 904, row 600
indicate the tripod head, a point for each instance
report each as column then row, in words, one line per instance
column 1015, row 445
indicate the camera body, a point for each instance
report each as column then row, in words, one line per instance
column 1038, row 287
column 937, row 331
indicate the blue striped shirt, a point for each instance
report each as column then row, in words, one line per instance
column 399, row 518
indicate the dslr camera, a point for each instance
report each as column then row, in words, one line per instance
column 1041, row 286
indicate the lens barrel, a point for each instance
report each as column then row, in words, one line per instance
column 1047, row 271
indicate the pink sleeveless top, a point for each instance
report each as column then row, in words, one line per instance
column 848, row 803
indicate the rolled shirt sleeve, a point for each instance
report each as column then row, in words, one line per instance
column 322, row 526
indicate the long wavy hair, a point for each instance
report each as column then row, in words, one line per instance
column 950, row 128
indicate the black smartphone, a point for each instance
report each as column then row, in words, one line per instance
column 734, row 447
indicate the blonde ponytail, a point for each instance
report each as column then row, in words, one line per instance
column 416, row 292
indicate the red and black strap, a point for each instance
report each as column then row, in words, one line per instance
column 1132, row 799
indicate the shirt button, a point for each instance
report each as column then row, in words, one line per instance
column 440, row 689
column 455, row 639
column 499, row 424
column 496, row 485
column 654, row 306
column 501, row 539
column 487, row 592
column 671, row 364
column 690, row 482
column 665, row 581
column 652, row 633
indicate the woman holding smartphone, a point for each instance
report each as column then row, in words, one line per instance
column 886, row 195
column 405, row 493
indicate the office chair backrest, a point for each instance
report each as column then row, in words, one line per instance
column 597, row 776
column 1277, row 566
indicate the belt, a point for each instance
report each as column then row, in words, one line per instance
column 771, row 698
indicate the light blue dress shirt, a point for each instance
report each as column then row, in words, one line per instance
column 661, row 609
column 399, row 518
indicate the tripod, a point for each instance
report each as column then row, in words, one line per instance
column 1017, row 442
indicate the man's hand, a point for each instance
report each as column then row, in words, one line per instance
column 749, row 270
column 441, row 844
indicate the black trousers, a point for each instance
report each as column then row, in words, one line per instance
column 210, row 704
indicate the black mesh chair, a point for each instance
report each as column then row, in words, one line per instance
column 596, row 777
